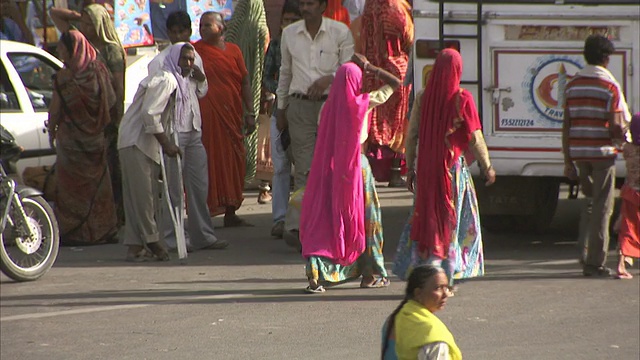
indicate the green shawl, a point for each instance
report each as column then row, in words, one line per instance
column 103, row 23
column 248, row 29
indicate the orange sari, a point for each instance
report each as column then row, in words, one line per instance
column 222, row 124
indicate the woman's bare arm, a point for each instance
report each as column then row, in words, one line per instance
column 62, row 18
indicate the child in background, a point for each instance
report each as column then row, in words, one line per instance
column 629, row 233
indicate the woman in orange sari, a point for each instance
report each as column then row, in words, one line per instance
column 222, row 120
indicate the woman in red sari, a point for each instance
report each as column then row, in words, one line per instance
column 78, row 116
column 222, row 120
column 386, row 37
column 444, row 229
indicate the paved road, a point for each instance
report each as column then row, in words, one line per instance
column 246, row 302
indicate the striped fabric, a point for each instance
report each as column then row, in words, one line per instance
column 590, row 102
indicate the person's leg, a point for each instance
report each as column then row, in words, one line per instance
column 264, row 196
column 603, row 175
column 139, row 174
column 586, row 183
column 395, row 179
column 371, row 262
column 194, row 173
column 303, row 126
column 281, row 181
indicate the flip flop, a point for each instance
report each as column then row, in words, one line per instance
column 378, row 283
column 310, row 290
column 623, row 276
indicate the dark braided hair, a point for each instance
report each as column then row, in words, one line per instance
column 418, row 278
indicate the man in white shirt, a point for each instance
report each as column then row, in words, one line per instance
column 312, row 50
column 200, row 234
column 161, row 98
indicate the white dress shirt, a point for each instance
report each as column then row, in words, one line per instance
column 306, row 59
column 194, row 122
column 151, row 111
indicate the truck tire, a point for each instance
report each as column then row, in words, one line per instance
column 545, row 208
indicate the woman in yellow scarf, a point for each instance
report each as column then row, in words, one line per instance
column 413, row 332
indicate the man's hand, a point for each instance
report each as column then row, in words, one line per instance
column 317, row 89
column 570, row 170
column 171, row 149
column 281, row 119
column 197, row 73
column 250, row 124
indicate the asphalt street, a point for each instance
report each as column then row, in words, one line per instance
column 247, row 302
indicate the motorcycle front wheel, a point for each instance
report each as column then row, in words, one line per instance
column 25, row 259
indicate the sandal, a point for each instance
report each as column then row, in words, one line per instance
column 139, row 256
column 235, row 221
column 159, row 251
column 317, row 290
column 623, row 276
column 378, row 283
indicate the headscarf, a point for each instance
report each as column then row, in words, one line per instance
column 87, row 94
column 82, row 53
column 434, row 214
column 332, row 217
column 103, row 24
column 183, row 94
column 248, row 29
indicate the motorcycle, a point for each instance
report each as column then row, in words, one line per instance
column 28, row 229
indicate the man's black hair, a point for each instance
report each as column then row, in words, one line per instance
column 597, row 48
column 179, row 18
column 291, row 7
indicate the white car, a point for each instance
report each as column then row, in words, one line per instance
column 26, row 88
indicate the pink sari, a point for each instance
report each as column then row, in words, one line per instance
column 332, row 216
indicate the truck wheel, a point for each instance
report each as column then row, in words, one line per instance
column 497, row 223
column 545, row 209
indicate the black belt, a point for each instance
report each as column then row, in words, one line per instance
column 306, row 97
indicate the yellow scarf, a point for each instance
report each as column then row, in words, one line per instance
column 416, row 327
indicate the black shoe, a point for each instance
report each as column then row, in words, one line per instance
column 600, row 271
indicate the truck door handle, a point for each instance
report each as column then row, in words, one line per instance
column 495, row 92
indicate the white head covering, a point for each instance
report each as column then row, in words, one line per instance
column 183, row 94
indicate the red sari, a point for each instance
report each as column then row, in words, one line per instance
column 386, row 38
column 222, row 124
column 447, row 121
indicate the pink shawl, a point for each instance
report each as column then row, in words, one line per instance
column 332, row 216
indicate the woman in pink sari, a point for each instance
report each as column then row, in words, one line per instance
column 340, row 222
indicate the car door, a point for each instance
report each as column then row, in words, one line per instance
column 35, row 85
column 16, row 113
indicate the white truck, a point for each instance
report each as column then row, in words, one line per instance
column 518, row 56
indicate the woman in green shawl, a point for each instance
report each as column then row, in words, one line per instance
column 97, row 26
column 248, row 29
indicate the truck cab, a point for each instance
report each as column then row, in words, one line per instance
column 518, row 56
